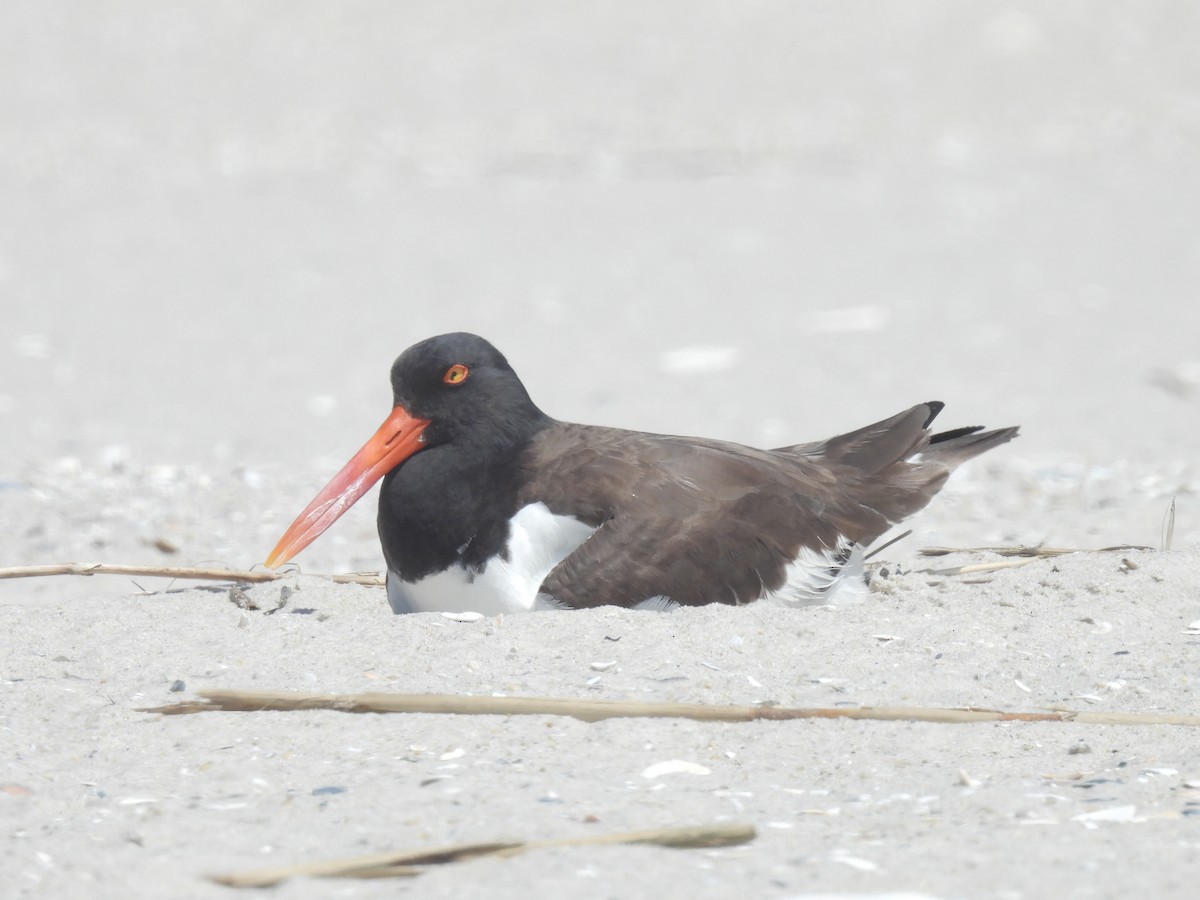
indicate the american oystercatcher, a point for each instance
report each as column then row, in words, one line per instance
column 490, row 505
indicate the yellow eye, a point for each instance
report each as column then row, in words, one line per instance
column 456, row 374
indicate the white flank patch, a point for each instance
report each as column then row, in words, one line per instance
column 817, row 577
column 538, row 540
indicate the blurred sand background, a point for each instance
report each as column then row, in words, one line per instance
column 767, row 222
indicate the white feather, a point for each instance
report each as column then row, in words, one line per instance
column 538, row 540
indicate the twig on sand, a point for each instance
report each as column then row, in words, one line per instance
column 200, row 573
column 1031, row 552
column 1020, row 556
column 408, row 862
column 371, row 579
column 597, row 710
column 1169, row 526
column 976, row 568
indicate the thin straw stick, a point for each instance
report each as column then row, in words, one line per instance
column 201, row 573
column 1036, row 552
column 206, row 574
column 406, row 862
column 976, row 568
column 597, row 710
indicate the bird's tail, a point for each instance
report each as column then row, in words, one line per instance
column 897, row 464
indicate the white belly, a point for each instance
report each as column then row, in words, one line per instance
column 538, row 540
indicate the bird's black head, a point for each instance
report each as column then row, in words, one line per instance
column 455, row 391
column 466, row 390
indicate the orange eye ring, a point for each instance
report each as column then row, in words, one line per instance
column 456, row 374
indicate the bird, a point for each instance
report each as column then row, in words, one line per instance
column 489, row 505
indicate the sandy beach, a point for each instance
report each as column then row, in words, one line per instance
column 766, row 223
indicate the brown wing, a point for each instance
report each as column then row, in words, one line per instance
column 698, row 521
column 694, row 521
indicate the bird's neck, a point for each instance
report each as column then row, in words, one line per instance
column 449, row 505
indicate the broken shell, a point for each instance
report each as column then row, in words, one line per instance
column 462, row 616
column 674, row 767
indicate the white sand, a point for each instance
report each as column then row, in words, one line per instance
column 765, row 224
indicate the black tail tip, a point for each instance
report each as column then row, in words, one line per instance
column 935, row 407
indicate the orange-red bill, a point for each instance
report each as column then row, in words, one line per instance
column 398, row 438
